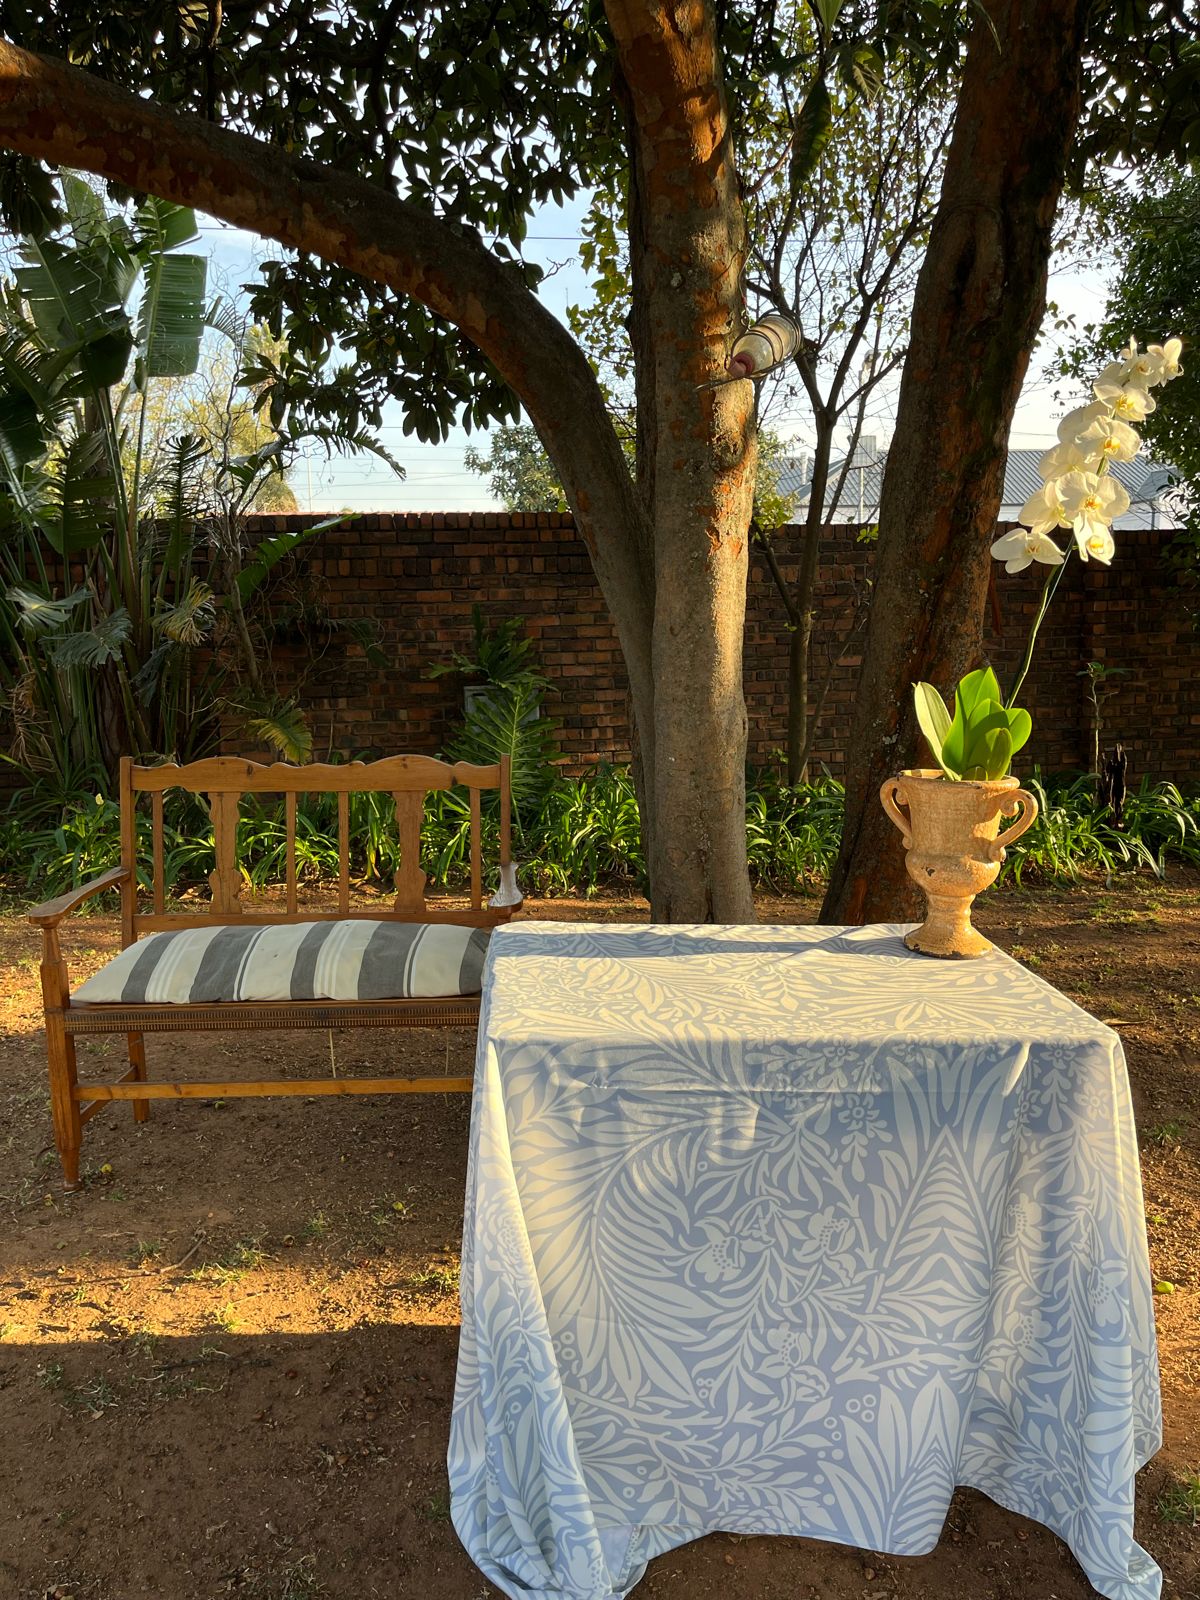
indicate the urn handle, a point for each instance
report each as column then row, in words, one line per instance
column 889, row 794
column 1019, row 800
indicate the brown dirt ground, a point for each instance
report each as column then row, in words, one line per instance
column 227, row 1363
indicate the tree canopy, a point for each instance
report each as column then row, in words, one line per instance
column 400, row 151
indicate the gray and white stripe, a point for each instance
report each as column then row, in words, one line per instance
column 341, row 960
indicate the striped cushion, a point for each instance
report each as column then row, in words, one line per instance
column 353, row 960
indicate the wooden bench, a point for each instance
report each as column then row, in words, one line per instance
column 224, row 780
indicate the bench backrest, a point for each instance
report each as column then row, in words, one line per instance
column 225, row 779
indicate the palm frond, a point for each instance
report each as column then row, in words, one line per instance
column 42, row 613
column 270, row 552
column 94, row 646
column 505, row 721
column 79, row 497
column 189, row 620
column 279, row 724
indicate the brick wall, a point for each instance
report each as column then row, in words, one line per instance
column 416, row 576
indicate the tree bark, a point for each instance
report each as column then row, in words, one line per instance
column 688, row 245
column 979, row 303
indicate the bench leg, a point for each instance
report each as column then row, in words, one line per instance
column 60, row 1049
column 137, row 1061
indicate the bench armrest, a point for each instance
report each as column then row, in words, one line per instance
column 52, row 912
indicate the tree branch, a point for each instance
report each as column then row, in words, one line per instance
column 65, row 116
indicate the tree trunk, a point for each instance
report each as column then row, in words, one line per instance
column 672, row 564
column 688, row 244
column 978, row 306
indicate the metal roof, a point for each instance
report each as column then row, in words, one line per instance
column 1145, row 480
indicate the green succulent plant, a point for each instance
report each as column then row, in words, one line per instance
column 979, row 740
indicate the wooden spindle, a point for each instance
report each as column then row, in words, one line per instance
column 224, row 879
column 290, row 811
column 343, row 852
column 128, row 852
column 156, row 822
column 410, row 880
column 476, row 853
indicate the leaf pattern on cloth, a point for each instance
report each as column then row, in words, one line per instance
column 792, row 1230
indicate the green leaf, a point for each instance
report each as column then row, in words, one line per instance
column 828, row 11
column 279, row 724
column 188, row 620
column 270, row 552
column 976, row 686
column 42, row 613
column 990, row 756
column 862, row 69
column 811, row 132
column 164, row 225
column 93, row 647
column 933, row 718
column 1020, row 726
column 986, row 719
column 954, row 745
column 80, row 496
column 21, row 437
column 506, row 720
column 171, row 317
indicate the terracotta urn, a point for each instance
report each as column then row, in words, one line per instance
column 952, row 850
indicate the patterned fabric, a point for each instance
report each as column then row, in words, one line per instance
column 792, row 1230
column 353, row 960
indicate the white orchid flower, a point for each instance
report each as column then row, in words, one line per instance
column 1044, row 511
column 1119, row 372
column 1109, row 439
column 1091, row 502
column 1078, row 421
column 1097, row 545
column 1061, row 459
column 1139, row 367
column 1167, row 355
column 1018, row 548
column 1128, row 401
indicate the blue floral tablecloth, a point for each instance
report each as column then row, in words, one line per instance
column 790, row 1230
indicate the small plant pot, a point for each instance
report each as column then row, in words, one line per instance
column 952, row 850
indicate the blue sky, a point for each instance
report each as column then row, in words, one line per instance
column 436, row 477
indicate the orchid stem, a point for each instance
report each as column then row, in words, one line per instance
column 1052, row 583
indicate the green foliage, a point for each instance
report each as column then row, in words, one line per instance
column 504, row 710
column 518, row 470
column 1074, row 835
column 506, row 720
column 100, row 327
column 499, row 653
column 978, row 742
column 584, row 836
